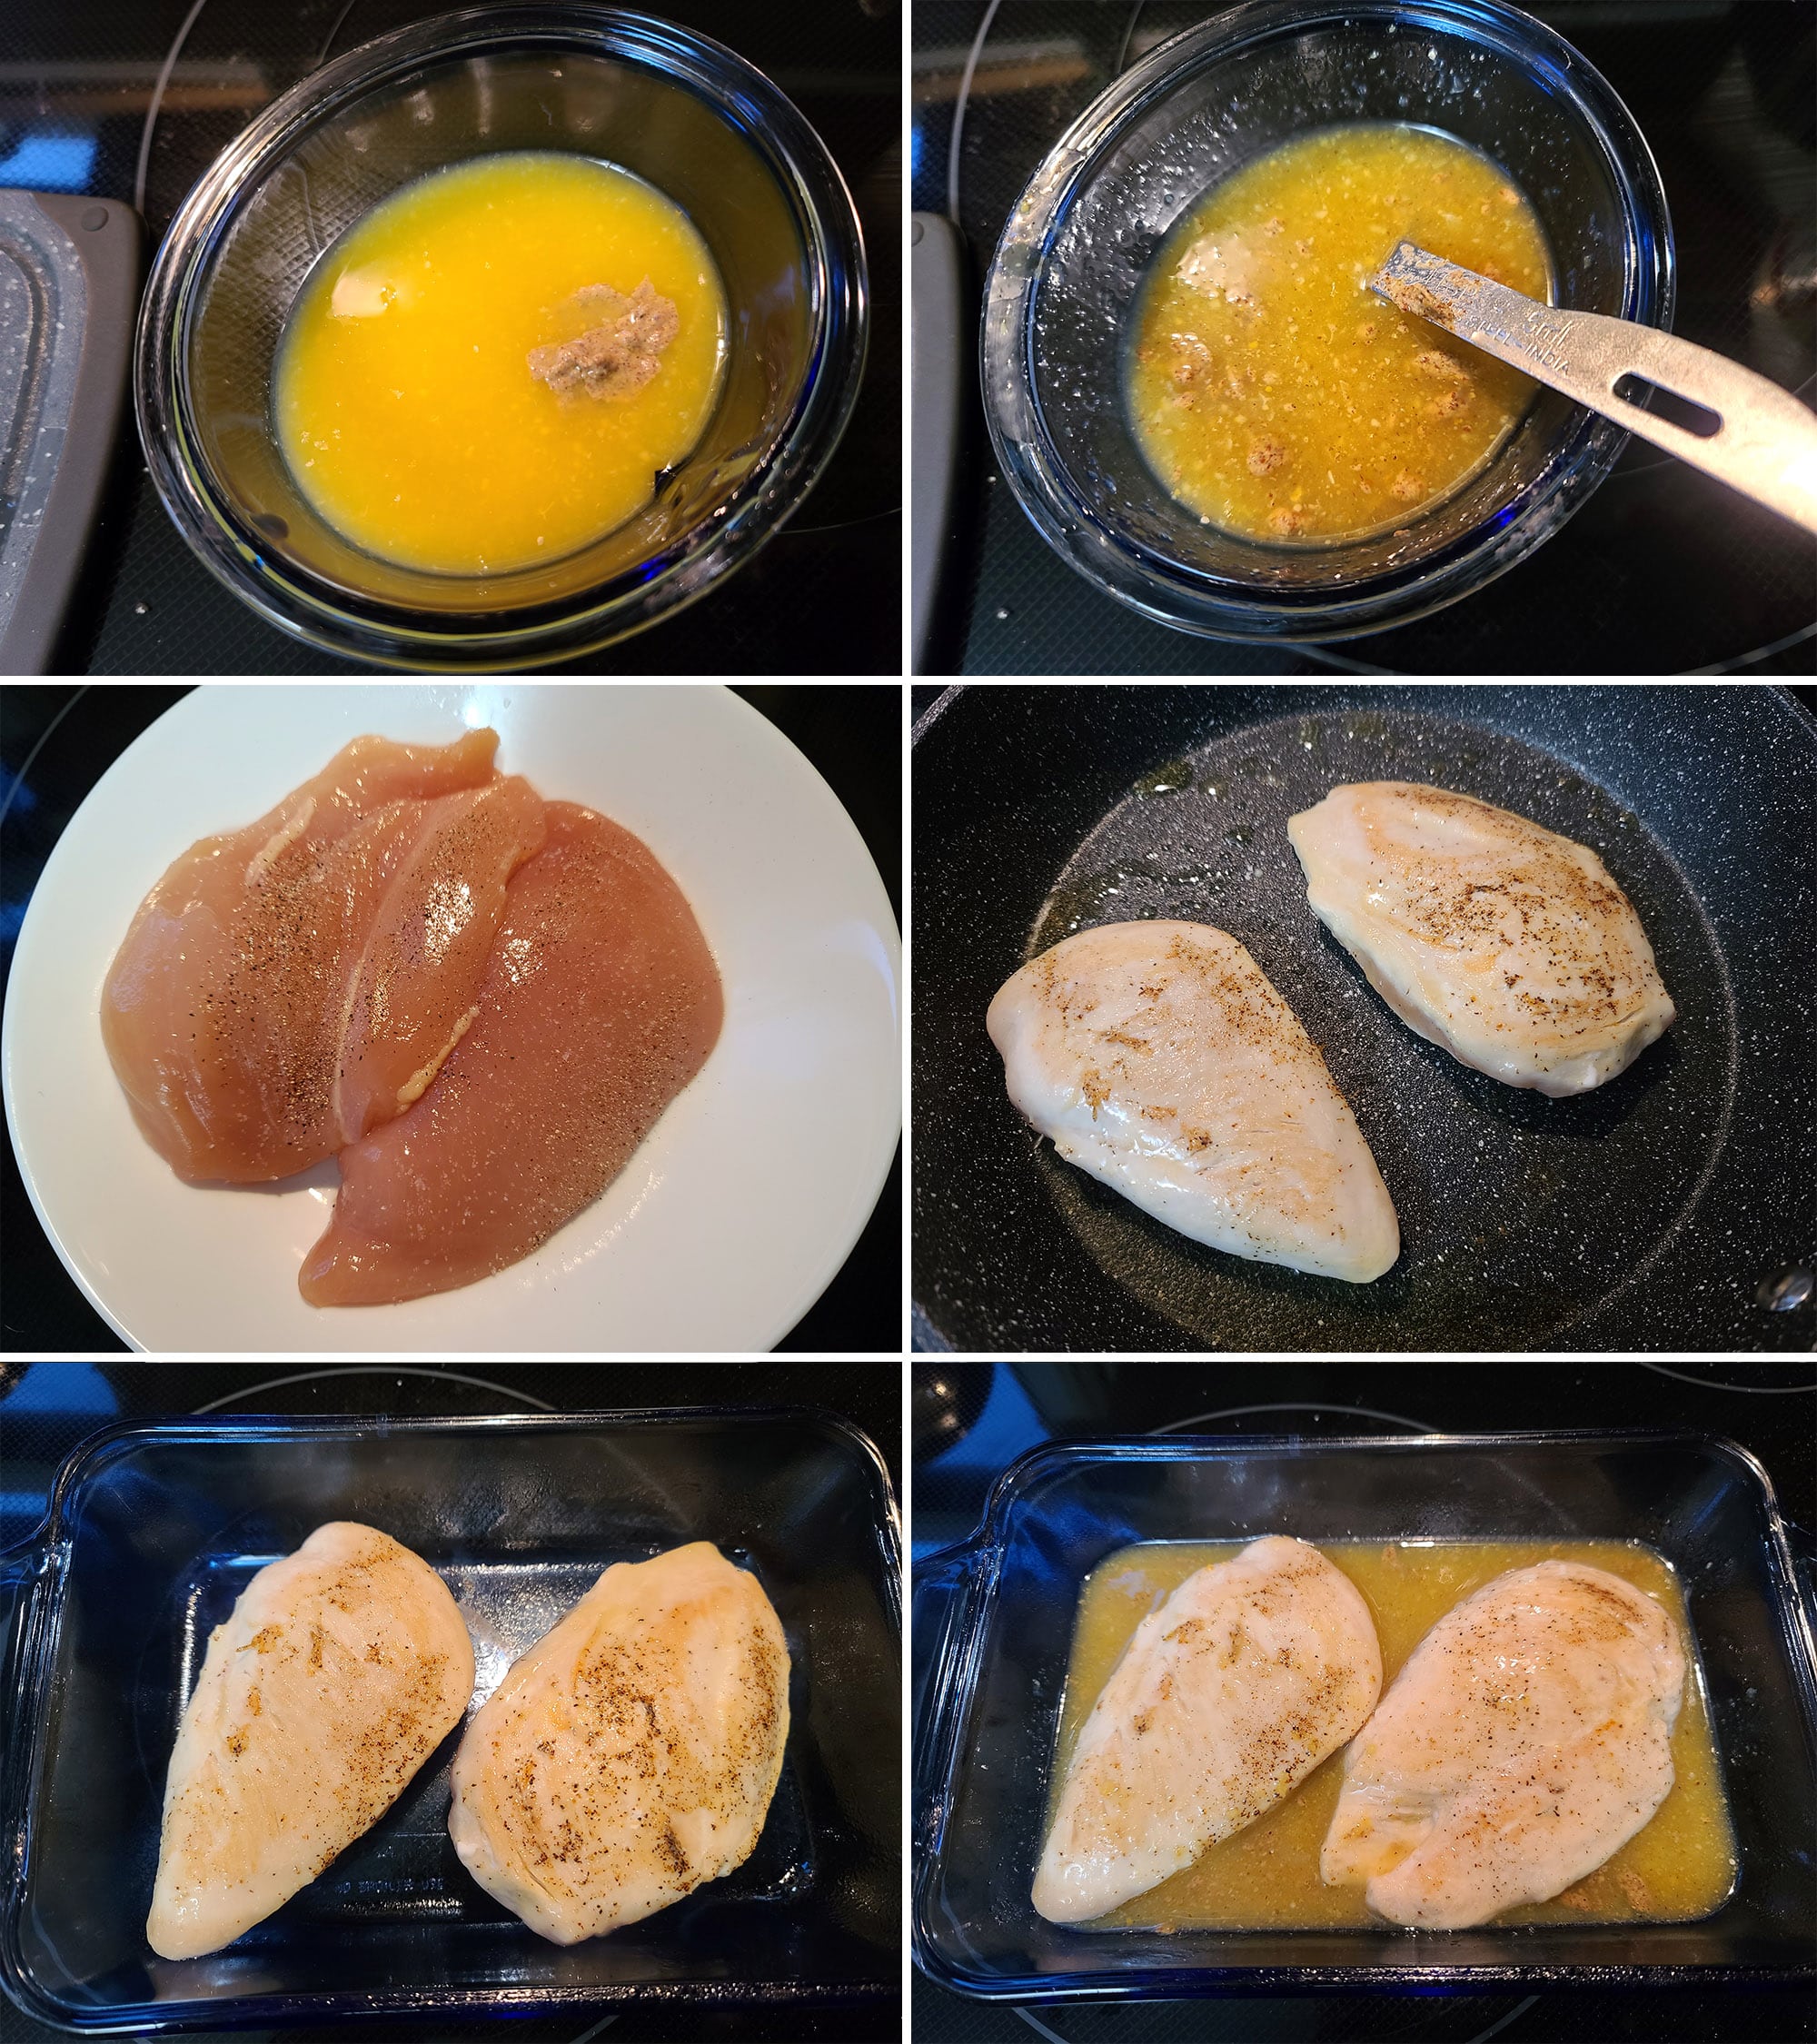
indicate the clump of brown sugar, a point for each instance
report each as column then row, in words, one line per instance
column 617, row 356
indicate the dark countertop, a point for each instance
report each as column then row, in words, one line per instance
column 45, row 1409
column 971, row 1420
column 70, row 737
column 132, row 99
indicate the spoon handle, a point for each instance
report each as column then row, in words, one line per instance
column 1764, row 444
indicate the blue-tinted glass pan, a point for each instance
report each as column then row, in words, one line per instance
column 1001, row 1612
column 155, row 1530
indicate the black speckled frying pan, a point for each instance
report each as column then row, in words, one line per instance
column 1674, row 1208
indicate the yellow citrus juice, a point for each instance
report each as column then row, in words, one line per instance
column 406, row 404
column 1269, row 388
column 1678, row 1866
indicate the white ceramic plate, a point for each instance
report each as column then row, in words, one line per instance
column 727, row 1224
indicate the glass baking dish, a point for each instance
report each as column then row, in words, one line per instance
column 154, row 1529
column 993, row 1624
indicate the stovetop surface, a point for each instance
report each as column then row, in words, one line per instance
column 80, row 110
column 971, row 1420
column 47, row 1408
column 1664, row 570
column 58, row 741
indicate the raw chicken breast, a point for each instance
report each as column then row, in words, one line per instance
column 1527, row 1738
column 1500, row 941
column 1158, row 1057
column 290, row 986
column 340, row 1671
column 600, row 1002
column 631, row 1753
column 1225, row 1701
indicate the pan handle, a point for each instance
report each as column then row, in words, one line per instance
column 942, row 1597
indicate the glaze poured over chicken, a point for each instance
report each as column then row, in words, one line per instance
column 1488, row 934
column 1527, row 1740
column 632, row 1752
column 1159, row 1058
column 340, row 1671
column 1225, row 1701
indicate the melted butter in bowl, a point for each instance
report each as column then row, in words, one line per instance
column 1269, row 389
column 493, row 366
column 1680, row 1867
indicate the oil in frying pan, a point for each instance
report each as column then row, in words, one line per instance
column 1520, row 1214
column 1678, row 1868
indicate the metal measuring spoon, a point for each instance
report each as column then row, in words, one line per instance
column 1764, row 442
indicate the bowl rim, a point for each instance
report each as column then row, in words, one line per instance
column 314, row 608
column 1190, row 599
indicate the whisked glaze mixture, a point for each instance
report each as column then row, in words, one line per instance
column 1272, row 391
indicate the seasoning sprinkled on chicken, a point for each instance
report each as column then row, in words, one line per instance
column 289, row 985
column 632, row 1754
column 1528, row 1737
column 1499, row 941
column 1158, row 1057
column 340, row 1671
column 1226, row 1700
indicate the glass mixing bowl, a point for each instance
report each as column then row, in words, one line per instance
column 674, row 108
column 1063, row 284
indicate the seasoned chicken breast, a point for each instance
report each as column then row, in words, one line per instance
column 631, row 1753
column 1500, row 941
column 340, row 1669
column 601, row 1001
column 1158, row 1058
column 1527, row 1738
column 1225, row 1701
column 287, row 986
